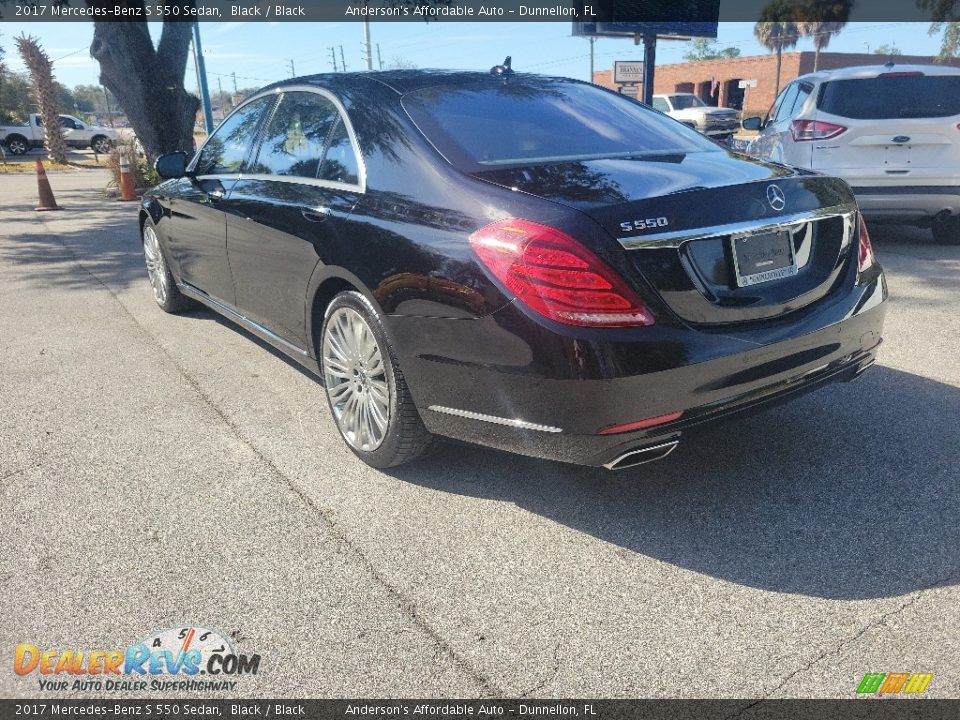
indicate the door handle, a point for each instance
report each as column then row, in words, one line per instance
column 317, row 214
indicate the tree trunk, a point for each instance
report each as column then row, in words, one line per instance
column 779, row 63
column 816, row 56
column 147, row 83
column 45, row 92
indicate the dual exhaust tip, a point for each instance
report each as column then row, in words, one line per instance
column 641, row 456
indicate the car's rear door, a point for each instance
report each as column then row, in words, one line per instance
column 284, row 214
column 899, row 128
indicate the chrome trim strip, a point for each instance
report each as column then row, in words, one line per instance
column 671, row 446
column 255, row 327
column 675, row 238
column 522, row 424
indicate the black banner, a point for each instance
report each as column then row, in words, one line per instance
column 615, row 12
column 889, row 709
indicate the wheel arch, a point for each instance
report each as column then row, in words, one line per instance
column 325, row 284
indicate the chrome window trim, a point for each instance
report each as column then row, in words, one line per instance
column 359, row 187
column 675, row 238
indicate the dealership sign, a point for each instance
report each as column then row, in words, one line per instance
column 628, row 72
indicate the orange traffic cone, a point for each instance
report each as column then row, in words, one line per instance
column 47, row 201
column 127, row 190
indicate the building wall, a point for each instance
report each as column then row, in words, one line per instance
column 696, row 77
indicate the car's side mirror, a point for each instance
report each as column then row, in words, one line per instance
column 172, row 165
column 752, row 123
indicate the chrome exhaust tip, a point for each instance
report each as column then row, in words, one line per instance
column 641, row 456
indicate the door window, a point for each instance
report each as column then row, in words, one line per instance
column 295, row 139
column 785, row 104
column 225, row 151
column 340, row 162
column 661, row 105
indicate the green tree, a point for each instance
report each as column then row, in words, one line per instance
column 950, row 44
column 706, row 49
column 777, row 31
column 887, row 49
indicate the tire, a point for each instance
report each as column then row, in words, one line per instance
column 947, row 231
column 101, row 144
column 165, row 290
column 17, row 145
column 366, row 391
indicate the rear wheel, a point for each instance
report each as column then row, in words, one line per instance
column 947, row 230
column 367, row 392
column 17, row 145
column 165, row 290
column 101, row 145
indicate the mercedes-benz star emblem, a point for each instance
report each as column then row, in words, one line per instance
column 776, row 198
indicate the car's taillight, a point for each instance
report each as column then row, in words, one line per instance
column 556, row 276
column 803, row 130
column 865, row 257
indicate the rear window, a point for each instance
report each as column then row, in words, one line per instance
column 893, row 97
column 504, row 123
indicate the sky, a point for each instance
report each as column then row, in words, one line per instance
column 260, row 53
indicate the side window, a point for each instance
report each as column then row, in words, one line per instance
column 661, row 105
column 786, row 104
column 803, row 93
column 340, row 162
column 227, row 148
column 296, row 136
column 67, row 123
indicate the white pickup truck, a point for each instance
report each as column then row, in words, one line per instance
column 715, row 122
column 18, row 139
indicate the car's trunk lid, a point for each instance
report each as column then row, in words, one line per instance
column 676, row 225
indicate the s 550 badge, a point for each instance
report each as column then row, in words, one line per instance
column 646, row 224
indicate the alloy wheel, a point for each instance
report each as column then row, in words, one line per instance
column 17, row 147
column 356, row 379
column 102, row 146
column 156, row 267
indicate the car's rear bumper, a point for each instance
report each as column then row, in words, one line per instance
column 497, row 381
column 911, row 201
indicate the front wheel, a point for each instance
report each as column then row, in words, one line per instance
column 165, row 290
column 947, row 230
column 366, row 390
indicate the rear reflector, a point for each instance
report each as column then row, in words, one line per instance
column 804, row 130
column 641, row 424
column 556, row 276
column 865, row 257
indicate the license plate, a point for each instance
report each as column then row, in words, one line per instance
column 763, row 257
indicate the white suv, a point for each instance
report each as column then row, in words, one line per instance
column 892, row 132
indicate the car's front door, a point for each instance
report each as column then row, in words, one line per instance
column 776, row 128
column 287, row 208
column 198, row 234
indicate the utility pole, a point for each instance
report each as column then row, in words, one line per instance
column 343, row 63
column 592, row 40
column 220, row 98
column 202, row 75
column 367, row 53
column 333, row 58
column 379, row 57
column 234, row 76
column 293, row 70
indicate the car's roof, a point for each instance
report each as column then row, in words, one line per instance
column 863, row 72
column 404, row 81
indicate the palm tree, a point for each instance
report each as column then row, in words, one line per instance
column 821, row 32
column 777, row 31
column 46, row 93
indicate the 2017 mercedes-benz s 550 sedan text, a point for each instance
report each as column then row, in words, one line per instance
column 528, row 263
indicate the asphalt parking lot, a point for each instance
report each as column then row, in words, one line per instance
column 159, row 470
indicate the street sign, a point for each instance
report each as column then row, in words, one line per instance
column 628, row 72
column 744, row 84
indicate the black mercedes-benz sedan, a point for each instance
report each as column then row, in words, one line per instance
column 529, row 263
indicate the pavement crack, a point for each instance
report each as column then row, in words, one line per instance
column 547, row 678
column 882, row 620
column 407, row 607
column 19, row 471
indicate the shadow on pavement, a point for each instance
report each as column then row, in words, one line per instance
column 852, row 492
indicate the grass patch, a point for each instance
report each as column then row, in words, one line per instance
column 29, row 167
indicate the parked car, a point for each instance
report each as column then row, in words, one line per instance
column 18, row 139
column 715, row 122
column 528, row 263
column 891, row 131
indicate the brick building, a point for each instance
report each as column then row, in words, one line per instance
column 697, row 77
